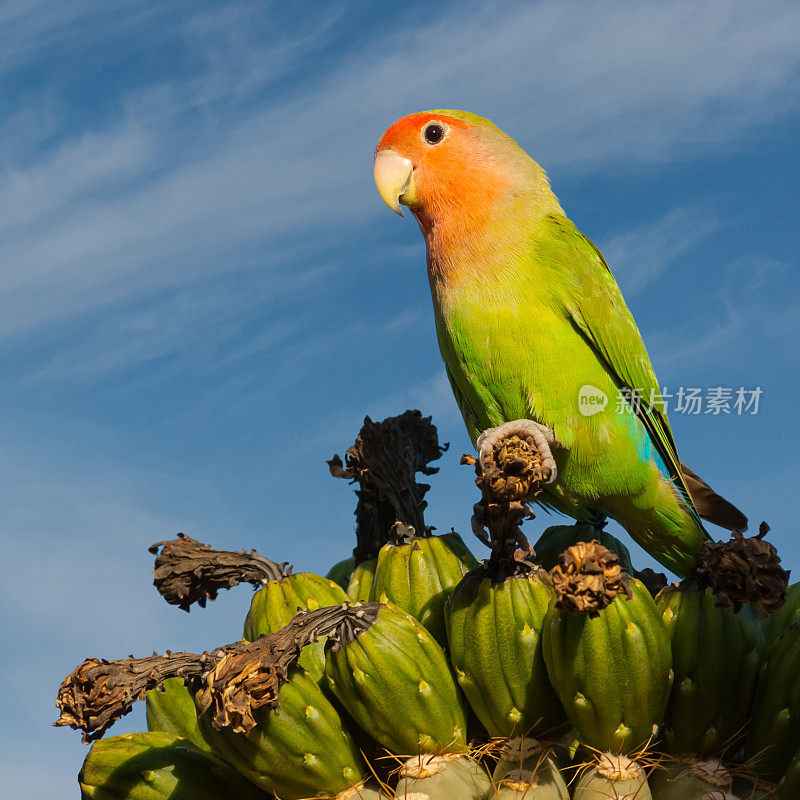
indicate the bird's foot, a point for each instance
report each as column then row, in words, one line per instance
column 538, row 436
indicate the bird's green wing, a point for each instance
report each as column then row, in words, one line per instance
column 591, row 299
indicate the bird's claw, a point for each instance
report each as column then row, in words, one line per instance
column 540, row 436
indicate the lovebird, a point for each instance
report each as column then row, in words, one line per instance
column 536, row 337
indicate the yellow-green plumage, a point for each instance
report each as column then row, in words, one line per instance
column 527, row 313
column 527, row 354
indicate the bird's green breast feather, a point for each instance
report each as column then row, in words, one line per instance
column 515, row 344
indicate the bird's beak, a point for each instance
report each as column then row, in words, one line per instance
column 394, row 176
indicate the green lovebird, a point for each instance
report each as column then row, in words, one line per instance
column 536, row 337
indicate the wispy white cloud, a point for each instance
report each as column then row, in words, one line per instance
column 752, row 296
column 619, row 82
column 152, row 230
column 122, row 211
column 31, row 28
column 640, row 255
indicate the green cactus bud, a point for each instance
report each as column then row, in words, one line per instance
column 420, row 575
column 171, row 709
column 360, row 584
column 158, row 766
column 775, row 724
column 526, row 769
column 789, row 787
column 188, row 572
column 341, row 571
column 557, row 538
column 613, row 777
column 545, row 783
column 494, row 630
column 715, row 657
column 776, row 623
column 610, row 659
column 691, row 779
column 395, row 682
column 280, row 599
column 443, row 777
column 301, row 750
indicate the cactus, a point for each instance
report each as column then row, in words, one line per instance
column 298, row 711
column 414, row 570
column 189, row 572
column 557, row 538
column 171, row 709
column 257, row 707
column 418, row 574
column 691, row 779
column 607, row 651
column 365, row 793
column 496, row 614
column 360, row 584
column 524, row 784
column 299, row 750
column 526, row 769
column 443, row 777
column 384, row 462
column 281, row 598
column 716, row 656
column 775, row 624
column 613, row 777
column 775, row 726
column 494, row 629
column 789, row 786
column 394, row 680
column 341, row 571
column 158, row 766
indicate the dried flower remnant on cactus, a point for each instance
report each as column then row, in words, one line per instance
column 237, row 679
column 653, row 581
column 384, row 461
column 248, row 679
column 511, row 474
column 98, row 692
column 744, row 569
column 187, row 571
column 588, row 577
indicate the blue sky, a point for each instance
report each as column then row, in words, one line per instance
column 202, row 293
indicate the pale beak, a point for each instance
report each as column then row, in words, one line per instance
column 393, row 177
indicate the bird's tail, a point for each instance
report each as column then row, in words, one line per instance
column 711, row 506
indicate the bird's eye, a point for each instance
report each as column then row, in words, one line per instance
column 433, row 133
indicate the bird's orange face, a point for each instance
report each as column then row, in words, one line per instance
column 440, row 167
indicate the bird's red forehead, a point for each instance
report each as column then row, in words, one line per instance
column 407, row 131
